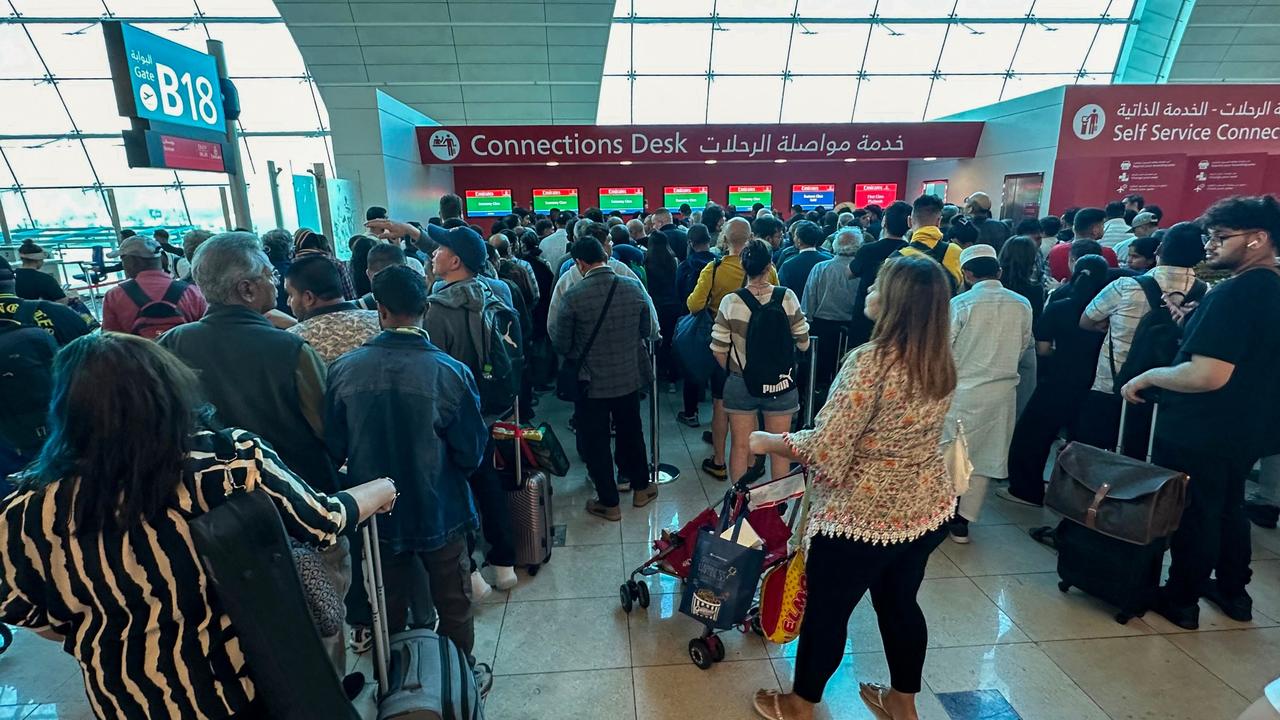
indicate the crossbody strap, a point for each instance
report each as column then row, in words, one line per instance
column 599, row 321
column 715, row 265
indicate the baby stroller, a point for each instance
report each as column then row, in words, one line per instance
column 763, row 508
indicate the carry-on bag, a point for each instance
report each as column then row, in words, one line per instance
column 539, row 447
column 721, row 586
column 531, row 512
column 1120, row 573
column 421, row 675
column 1115, row 495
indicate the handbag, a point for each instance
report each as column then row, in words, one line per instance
column 692, row 339
column 955, row 454
column 568, row 386
column 784, row 591
column 245, row 552
column 539, row 447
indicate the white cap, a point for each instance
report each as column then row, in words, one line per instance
column 973, row 252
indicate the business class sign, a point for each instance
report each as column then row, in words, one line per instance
column 535, row 144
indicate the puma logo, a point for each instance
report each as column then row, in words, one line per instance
column 506, row 337
column 784, row 383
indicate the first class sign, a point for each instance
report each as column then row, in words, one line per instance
column 537, row 144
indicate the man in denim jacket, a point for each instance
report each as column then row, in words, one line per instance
column 399, row 407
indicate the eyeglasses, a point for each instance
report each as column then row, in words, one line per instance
column 1220, row 239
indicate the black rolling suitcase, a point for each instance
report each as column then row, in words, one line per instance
column 1119, row 514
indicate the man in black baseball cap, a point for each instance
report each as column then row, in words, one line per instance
column 60, row 321
column 462, row 247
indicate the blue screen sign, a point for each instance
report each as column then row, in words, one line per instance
column 168, row 81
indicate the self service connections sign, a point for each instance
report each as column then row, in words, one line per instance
column 162, row 81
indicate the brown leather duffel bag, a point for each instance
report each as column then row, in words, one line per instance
column 1116, row 495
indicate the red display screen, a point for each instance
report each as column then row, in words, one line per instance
column 882, row 194
column 185, row 154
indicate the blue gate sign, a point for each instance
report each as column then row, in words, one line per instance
column 159, row 80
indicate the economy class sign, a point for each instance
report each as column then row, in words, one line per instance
column 159, row 80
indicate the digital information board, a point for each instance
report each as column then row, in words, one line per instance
column 744, row 196
column 813, row 196
column 547, row 199
column 488, row 203
column 676, row 195
column 882, row 194
column 622, row 199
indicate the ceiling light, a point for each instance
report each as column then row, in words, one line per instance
column 709, row 162
column 625, row 162
column 780, row 160
column 553, row 163
column 851, row 159
column 930, row 159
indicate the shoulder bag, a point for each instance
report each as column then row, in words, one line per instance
column 568, row 386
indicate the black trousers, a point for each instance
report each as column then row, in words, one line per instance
column 668, row 367
column 495, row 513
column 593, row 419
column 1214, row 534
column 831, row 335
column 1049, row 411
column 1099, row 424
column 449, row 573
column 840, row 572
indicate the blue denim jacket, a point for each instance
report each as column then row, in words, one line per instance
column 399, row 407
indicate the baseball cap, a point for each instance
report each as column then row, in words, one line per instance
column 463, row 242
column 979, row 200
column 973, row 252
column 137, row 246
column 1143, row 218
column 6, row 270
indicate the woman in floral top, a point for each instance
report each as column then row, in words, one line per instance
column 880, row 493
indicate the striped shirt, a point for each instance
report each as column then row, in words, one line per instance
column 729, row 334
column 136, row 608
column 1123, row 305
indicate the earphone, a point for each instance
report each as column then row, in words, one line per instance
column 1253, row 244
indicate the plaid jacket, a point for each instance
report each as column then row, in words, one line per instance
column 617, row 363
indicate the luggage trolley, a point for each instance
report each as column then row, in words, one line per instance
column 765, row 506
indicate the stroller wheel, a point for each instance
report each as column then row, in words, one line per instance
column 717, row 647
column 624, row 594
column 700, row 653
column 642, row 594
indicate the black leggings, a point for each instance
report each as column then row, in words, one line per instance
column 839, row 572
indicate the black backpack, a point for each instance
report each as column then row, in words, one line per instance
column 1157, row 337
column 500, row 355
column 939, row 253
column 155, row 317
column 771, row 350
column 26, row 385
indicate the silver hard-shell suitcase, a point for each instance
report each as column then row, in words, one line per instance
column 531, row 511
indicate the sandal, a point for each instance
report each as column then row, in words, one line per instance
column 873, row 695
column 767, row 704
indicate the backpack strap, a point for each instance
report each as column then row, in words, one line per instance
column 779, row 294
column 174, row 292
column 134, row 292
column 748, row 299
column 1197, row 292
column 1151, row 288
column 712, row 287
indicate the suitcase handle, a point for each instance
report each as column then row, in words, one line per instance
column 1151, row 435
column 377, row 603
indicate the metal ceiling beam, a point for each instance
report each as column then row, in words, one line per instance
column 807, row 20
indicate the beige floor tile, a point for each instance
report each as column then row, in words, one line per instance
column 1004, row 512
column 585, row 695
column 1211, row 619
column 940, row 566
column 1000, row 550
column 1265, row 587
column 1144, row 677
column 560, row 635
column 488, row 627
column 645, row 524
column 1028, row 679
column 1266, row 543
column 660, row 635
column 581, row 528
column 669, row 692
column 633, row 554
column 1045, row 613
column 34, row 670
column 76, row 710
column 1245, row 659
column 577, row 571
column 841, row 701
column 686, row 489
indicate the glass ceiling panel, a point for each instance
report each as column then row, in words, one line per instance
column 19, row 59
column 57, row 8
column 914, row 8
column 1106, row 48
column 1054, row 49
column 953, row 94
column 888, row 99
column 238, row 8
column 818, row 100
column 670, row 101
column 982, row 49
column 744, row 99
column 993, row 8
column 668, row 8
column 261, row 102
column 829, row 48
column 57, row 162
column 836, row 8
column 93, row 105
column 755, row 8
column 615, row 101
column 72, row 51
column 258, row 50
column 904, row 49
column 671, row 48
column 40, row 110
column 617, row 58
column 750, row 49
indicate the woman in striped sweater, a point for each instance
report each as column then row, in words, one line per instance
column 95, row 545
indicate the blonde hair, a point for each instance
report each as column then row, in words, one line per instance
column 914, row 327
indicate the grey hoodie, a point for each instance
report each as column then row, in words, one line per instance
column 454, row 320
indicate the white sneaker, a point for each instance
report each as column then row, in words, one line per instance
column 504, row 577
column 479, row 588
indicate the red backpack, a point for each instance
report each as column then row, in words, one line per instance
column 155, row 317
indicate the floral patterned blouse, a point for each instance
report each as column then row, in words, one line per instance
column 879, row 475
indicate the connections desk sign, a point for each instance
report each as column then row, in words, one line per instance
column 524, row 144
column 173, row 95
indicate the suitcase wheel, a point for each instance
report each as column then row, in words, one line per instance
column 533, row 570
column 1064, row 586
column 624, row 594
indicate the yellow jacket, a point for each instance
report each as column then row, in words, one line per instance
column 930, row 236
column 729, row 277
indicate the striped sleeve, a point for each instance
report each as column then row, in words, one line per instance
column 726, row 317
column 799, row 325
column 21, row 586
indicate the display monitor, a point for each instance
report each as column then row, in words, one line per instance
column 882, row 194
column 627, row 200
column 673, row 196
column 488, row 203
column 937, row 188
column 547, row 199
column 810, row 197
column 744, row 196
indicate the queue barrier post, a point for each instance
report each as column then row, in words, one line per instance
column 660, row 473
column 813, row 382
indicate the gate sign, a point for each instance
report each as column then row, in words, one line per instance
column 159, row 80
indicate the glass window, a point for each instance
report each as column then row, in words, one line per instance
column 238, row 8
column 71, row 51
column 1020, row 85
column 150, row 206
column 112, row 166
column 828, row 49
column 74, row 208
column 750, row 48
column 818, row 100
column 671, row 48
column 1106, row 48
column 615, row 101
column 882, row 99
column 669, row 100
column 32, row 108
column 1053, row 49
column 93, row 105
column 911, row 9
column 152, row 8
column 672, row 8
column 835, row 8
column 61, row 8
column 955, row 93
column 15, row 211
column 617, row 58
column 205, row 206
column 744, row 99
column 20, row 59
column 755, row 8
column 276, row 104
column 904, row 49
column 979, row 48
column 265, row 50
column 993, row 8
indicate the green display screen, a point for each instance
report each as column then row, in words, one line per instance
column 488, row 203
column 547, row 199
column 622, row 199
column 675, row 196
column 744, row 196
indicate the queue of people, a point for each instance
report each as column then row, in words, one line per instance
column 932, row 320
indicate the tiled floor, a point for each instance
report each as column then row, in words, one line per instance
column 562, row 648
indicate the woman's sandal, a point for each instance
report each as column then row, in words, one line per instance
column 873, row 695
column 768, row 704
